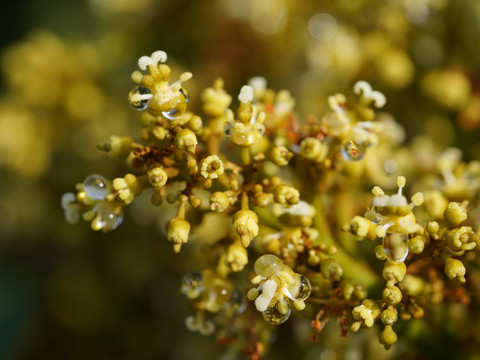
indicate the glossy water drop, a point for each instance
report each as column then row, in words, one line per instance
column 305, row 288
column 107, row 218
column 301, row 288
column 275, row 317
column 228, row 130
column 267, row 265
column 372, row 215
column 395, row 246
column 96, row 187
column 178, row 104
column 141, row 104
column 237, row 302
column 192, row 284
column 353, row 151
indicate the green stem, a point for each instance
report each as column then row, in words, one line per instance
column 352, row 268
column 245, row 153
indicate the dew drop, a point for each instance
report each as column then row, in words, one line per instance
column 142, row 104
column 275, row 317
column 353, row 151
column 305, row 288
column 237, row 302
column 395, row 246
column 228, row 130
column 96, row 187
column 107, row 219
column 192, row 284
column 178, row 104
column 267, row 265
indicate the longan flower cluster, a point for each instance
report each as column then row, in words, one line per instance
column 391, row 219
column 277, row 185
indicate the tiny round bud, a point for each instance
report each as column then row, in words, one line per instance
column 186, row 140
column 157, row 177
column 392, row 295
column 331, row 269
column 159, row 132
column 416, row 245
column 432, row 227
column 394, row 271
column 280, row 155
column 389, row 316
column 286, row 195
column 454, row 269
column 456, row 213
column 219, row 201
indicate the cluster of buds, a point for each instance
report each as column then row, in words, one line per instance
column 257, row 193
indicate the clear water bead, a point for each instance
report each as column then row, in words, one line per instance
column 141, row 104
column 237, row 302
column 353, row 151
column 395, row 246
column 178, row 104
column 192, row 284
column 96, row 187
column 275, row 317
column 302, row 288
column 107, row 219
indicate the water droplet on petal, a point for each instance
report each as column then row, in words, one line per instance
column 353, row 151
column 140, row 104
column 178, row 104
column 228, row 129
column 192, row 284
column 267, row 265
column 107, row 217
column 96, row 187
column 237, row 302
column 301, row 288
column 395, row 246
column 275, row 317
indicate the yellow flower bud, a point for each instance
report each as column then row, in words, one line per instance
column 117, row 147
column 454, row 269
column 394, row 272
column 331, row 270
column 157, row 177
column 159, row 132
column 456, row 213
column 416, row 245
column 388, row 337
column 280, row 155
column 237, row 257
column 186, row 140
column 392, row 295
column 219, row 201
column 389, row 316
column 286, row 195
column 177, row 232
column 245, row 224
column 312, row 148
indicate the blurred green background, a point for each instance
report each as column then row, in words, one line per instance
column 67, row 292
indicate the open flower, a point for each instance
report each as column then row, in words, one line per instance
column 277, row 284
